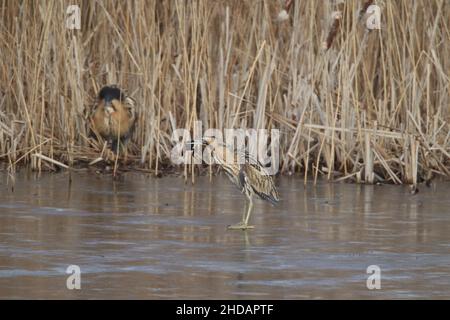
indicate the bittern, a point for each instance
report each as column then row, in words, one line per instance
column 114, row 116
column 250, row 177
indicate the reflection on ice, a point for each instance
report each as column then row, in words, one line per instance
column 160, row 238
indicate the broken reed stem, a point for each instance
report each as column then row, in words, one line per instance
column 369, row 175
column 41, row 156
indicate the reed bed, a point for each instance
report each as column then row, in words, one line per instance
column 351, row 103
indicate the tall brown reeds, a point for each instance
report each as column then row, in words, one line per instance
column 373, row 105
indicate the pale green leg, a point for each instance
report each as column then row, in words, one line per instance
column 244, row 213
column 250, row 207
column 243, row 225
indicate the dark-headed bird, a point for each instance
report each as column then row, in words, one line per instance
column 250, row 176
column 114, row 116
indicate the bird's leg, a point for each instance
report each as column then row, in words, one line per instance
column 250, row 207
column 244, row 213
column 244, row 223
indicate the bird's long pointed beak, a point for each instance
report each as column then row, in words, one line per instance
column 196, row 142
column 190, row 144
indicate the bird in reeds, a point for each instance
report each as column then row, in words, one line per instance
column 249, row 176
column 113, row 117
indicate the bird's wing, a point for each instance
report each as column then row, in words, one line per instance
column 261, row 183
column 130, row 104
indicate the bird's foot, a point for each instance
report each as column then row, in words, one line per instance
column 240, row 226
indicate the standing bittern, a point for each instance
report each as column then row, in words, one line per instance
column 113, row 116
column 250, row 177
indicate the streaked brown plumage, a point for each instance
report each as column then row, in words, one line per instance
column 250, row 177
column 114, row 116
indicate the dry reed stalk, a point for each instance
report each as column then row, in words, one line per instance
column 375, row 101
